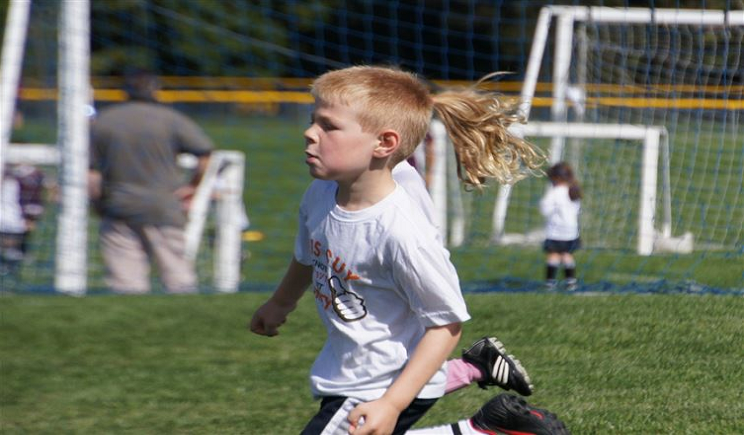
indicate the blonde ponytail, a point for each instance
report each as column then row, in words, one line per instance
column 477, row 123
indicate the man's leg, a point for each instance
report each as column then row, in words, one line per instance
column 124, row 257
column 168, row 247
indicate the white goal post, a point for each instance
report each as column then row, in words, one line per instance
column 72, row 139
column 14, row 40
column 655, row 143
column 566, row 19
column 221, row 185
column 564, row 92
column 73, row 77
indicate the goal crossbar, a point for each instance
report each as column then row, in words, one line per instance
column 566, row 16
column 644, row 15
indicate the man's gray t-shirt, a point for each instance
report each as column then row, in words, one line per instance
column 134, row 145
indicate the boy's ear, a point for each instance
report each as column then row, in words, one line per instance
column 388, row 143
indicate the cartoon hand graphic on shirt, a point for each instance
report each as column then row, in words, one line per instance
column 348, row 305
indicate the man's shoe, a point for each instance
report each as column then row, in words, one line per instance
column 498, row 368
column 511, row 415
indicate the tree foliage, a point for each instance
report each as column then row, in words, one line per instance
column 448, row 39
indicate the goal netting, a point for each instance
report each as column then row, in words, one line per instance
column 646, row 105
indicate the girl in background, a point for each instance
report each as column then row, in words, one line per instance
column 561, row 206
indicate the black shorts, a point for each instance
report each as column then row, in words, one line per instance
column 334, row 411
column 561, row 246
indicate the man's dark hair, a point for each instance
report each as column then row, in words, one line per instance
column 141, row 85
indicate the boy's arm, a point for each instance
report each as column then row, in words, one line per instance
column 380, row 416
column 272, row 314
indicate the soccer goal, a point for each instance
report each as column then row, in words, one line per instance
column 218, row 199
column 61, row 255
column 645, row 104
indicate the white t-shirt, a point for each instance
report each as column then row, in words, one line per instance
column 410, row 180
column 380, row 277
column 561, row 214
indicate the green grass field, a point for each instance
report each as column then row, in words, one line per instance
column 630, row 364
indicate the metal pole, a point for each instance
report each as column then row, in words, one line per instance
column 73, row 130
column 14, row 42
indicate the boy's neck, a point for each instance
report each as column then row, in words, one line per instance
column 366, row 190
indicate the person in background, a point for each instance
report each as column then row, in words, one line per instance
column 139, row 191
column 31, row 183
column 22, row 203
column 12, row 224
column 561, row 206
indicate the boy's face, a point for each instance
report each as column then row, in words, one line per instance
column 335, row 145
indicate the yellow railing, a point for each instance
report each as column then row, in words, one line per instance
column 245, row 90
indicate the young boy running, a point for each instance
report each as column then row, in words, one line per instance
column 383, row 283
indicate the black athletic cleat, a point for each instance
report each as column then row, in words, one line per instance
column 511, row 415
column 505, row 371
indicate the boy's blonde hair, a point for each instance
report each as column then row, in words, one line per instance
column 477, row 122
